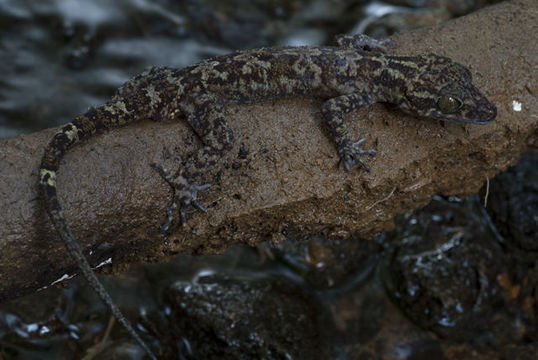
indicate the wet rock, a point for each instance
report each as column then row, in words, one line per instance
column 445, row 270
column 327, row 262
column 223, row 318
column 513, row 206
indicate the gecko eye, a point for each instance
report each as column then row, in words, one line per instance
column 449, row 103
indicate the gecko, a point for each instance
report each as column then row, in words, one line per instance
column 355, row 73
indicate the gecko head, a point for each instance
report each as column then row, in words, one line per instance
column 444, row 91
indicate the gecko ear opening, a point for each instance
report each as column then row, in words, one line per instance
column 449, row 103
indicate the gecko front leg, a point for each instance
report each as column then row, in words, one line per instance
column 333, row 111
column 209, row 124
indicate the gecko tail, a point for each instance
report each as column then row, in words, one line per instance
column 70, row 134
column 75, row 251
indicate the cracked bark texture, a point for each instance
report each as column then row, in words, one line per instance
column 290, row 180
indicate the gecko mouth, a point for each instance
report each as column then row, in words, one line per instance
column 490, row 118
column 481, row 111
column 480, row 115
column 487, row 115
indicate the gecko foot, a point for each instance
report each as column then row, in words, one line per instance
column 351, row 153
column 362, row 42
column 185, row 194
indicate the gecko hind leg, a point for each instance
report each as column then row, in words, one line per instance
column 185, row 194
column 218, row 139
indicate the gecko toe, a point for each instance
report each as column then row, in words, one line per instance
column 182, row 212
column 203, row 187
column 199, row 206
column 364, row 165
column 166, row 226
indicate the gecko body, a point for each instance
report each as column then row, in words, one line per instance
column 352, row 75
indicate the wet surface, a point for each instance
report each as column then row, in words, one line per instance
column 443, row 268
column 228, row 312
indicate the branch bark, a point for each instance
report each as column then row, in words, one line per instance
column 290, row 180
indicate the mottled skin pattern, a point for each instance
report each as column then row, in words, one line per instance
column 355, row 74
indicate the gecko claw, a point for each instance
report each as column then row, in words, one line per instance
column 363, row 43
column 182, row 199
column 185, row 194
column 351, row 153
column 183, row 214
